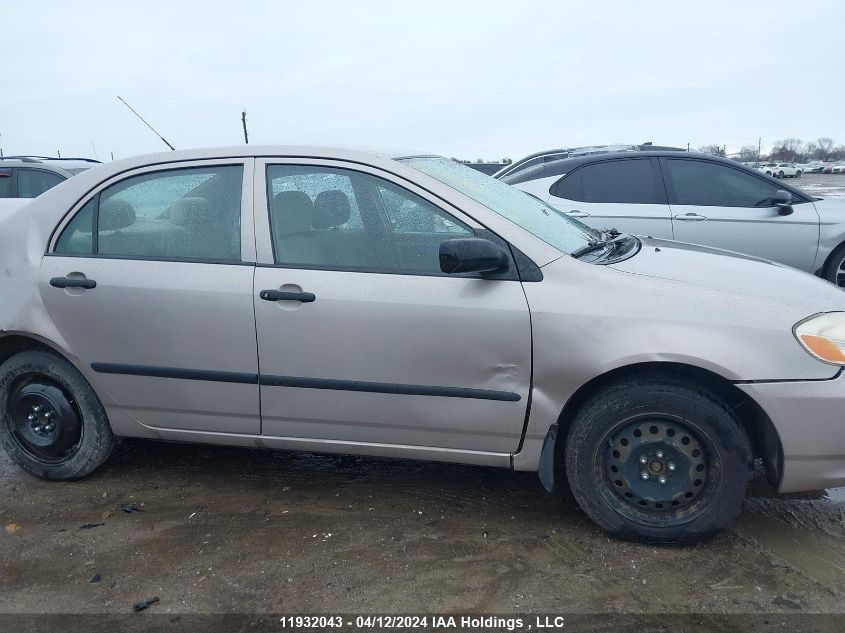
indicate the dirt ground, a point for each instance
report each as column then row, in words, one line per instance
column 219, row 530
column 210, row 530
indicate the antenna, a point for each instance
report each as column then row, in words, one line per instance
column 243, row 121
column 145, row 123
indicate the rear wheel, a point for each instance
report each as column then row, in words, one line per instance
column 51, row 422
column 658, row 461
column 780, row 174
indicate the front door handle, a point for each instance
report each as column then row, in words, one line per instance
column 72, row 282
column 577, row 214
column 280, row 295
column 690, row 217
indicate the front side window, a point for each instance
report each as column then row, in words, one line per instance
column 178, row 214
column 33, row 182
column 340, row 219
column 706, row 184
column 619, row 181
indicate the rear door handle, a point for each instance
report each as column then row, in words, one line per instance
column 690, row 217
column 279, row 295
column 577, row 214
column 72, row 282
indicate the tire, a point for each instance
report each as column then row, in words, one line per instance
column 780, row 174
column 831, row 268
column 688, row 437
column 51, row 422
column 798, row 173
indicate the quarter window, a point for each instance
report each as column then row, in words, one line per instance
column 341, row 219
column 702, row 183
column 179, row 214
column 78, row 236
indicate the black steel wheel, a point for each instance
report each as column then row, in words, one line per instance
column 657, row 468
column 51, row 422
column 658, row 460
column 44, row 420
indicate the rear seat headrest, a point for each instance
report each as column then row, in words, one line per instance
column 190, row 211
column 331, row 208
column 293, row 212
column 115, row 214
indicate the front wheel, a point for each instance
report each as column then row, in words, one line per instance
column 51, row 422
column 658, row 460
column 780, row 174
column 834, row 269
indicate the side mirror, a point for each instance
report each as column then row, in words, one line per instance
column 472, row 255
column 783, row 201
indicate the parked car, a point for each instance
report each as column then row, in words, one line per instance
column 838, row 169
column 812, row 168
column 539, row 159
column 699, row 199
column 29, row 177
column 781, row 170
column 828, row 168
column 410, row 307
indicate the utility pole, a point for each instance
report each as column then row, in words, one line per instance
column 243, row 122
column 759, row 147
column 687, row 145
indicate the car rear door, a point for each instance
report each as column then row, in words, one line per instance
column 370, row 343
column 622, row 193
column 716, row 204
column 149, row 282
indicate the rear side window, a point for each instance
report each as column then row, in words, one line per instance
column 180, row 214
column 33, row 182
column 622, row 181
column 702, row 183
column 5, row 183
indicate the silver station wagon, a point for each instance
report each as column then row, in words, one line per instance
column 410, row 307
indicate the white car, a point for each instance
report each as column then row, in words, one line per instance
column 697, row 199
column 781, row 170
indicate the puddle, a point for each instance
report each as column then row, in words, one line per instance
column 819, row 555
column 834, row 494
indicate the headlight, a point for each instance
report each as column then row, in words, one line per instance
column 823, row 336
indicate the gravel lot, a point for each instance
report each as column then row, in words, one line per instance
column 210, row 530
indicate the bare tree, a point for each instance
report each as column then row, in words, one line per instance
column 825, row 144
column 715, row 150
column 787, row 149
column 748, row 153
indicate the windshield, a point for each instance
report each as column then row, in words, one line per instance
column 532, row 214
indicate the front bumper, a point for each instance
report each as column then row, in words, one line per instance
column 809, row 417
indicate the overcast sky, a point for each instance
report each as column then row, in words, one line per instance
column 472, row 79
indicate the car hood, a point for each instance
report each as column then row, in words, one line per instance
column 729, row 273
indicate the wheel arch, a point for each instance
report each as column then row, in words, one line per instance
column 14, row 342
column 765, row 440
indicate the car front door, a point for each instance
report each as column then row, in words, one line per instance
column 362, row 339
column 718, row 205
column 150, row 285
column 626, row 194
